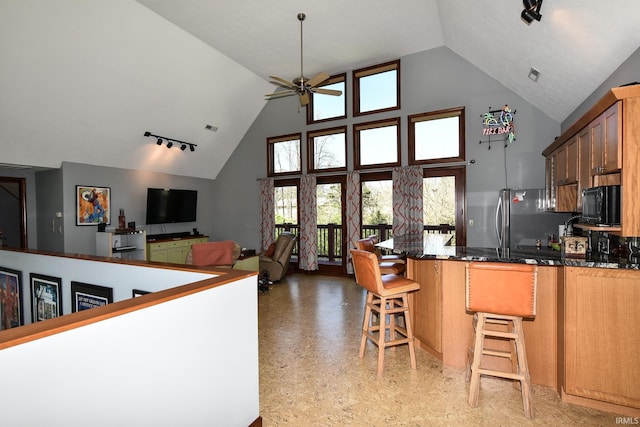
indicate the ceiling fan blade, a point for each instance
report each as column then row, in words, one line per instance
column 317, row 79
column 328, row 92
column 281, row 93
column 283, row 86
column 286, row 82
column 304, row 99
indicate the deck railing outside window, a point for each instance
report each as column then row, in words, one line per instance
column 330, row 237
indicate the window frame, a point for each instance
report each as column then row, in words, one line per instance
column 337, row 78
column 289, row 182
column 369, row 71
column 369, row 177
column 357, row 127
column 271, row 141
column 435, row 115
column 460, row 174
column 311, row 135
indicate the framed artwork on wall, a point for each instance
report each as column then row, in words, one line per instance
column 85, row 296
column 10, row 298
column 138, row 293
column 93, row 205
column 46, row 297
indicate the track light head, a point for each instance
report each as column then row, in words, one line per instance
column 191, row 147
column 169, row 144
column 147, row 133
column 531, row 11
column 183, row 147
column 159, row 142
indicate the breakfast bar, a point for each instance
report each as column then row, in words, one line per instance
column 583, row 340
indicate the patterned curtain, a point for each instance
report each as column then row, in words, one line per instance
column 267, row 213
column 407, row 200
column 308, row 237
column 353, row 214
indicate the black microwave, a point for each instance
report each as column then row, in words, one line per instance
column 601, row 205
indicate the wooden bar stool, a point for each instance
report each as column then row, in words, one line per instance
column 386, row 266
column 501, row 294
column 387, row 295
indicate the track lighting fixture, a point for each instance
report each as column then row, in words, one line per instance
column 531, row 11
column 171, row 141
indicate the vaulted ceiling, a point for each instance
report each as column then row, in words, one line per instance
column 575, row 47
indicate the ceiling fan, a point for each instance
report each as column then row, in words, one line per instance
column 301, row 86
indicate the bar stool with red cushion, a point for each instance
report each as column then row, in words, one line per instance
column 386, row 267
column 501, row 294
column 386, row 295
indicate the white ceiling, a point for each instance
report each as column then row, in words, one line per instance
column 82, row 81
column 576, row 45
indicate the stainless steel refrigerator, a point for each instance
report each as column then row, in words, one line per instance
column 522, row 218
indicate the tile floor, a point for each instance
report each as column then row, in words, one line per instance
column 310, row 373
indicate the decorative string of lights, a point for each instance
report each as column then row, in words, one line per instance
column 170, row 141
column 531, row 11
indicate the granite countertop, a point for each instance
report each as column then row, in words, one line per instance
column 434, row 246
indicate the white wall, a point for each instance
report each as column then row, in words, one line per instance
column 190, row 361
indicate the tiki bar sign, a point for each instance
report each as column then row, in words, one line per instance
column 499, row 122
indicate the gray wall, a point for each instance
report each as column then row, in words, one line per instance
column 128, row 192
column 628, row 72
column 431, row 80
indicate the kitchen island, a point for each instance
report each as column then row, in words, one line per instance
column 583, row 341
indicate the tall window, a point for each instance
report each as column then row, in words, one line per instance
column 286, row 205
column 329, row 107
column 377, row 204
column 437, row 136
column 283, row 154
column 330, row 218
column 376, row 88
column 443, row 202
column 327, row 149
column 377, row 144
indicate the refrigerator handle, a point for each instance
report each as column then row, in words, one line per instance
column 498, row 228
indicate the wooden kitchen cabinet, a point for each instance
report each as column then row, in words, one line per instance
column 606, row 150
column 427, row 303
column 609, row 148
column 602, row 343
column 584, row 164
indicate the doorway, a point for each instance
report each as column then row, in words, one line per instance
column 13, row 212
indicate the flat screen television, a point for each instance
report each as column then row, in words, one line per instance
column 168, row 206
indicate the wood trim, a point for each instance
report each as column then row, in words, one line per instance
column 331, row 80
column 395, row 121
column 610, row 98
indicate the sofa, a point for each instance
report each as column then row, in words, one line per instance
column 275, row 259
column 222, row 254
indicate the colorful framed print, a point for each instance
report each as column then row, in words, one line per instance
column 85, row 296
column 46, row 297
column 93, row 205
column 10, row 298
